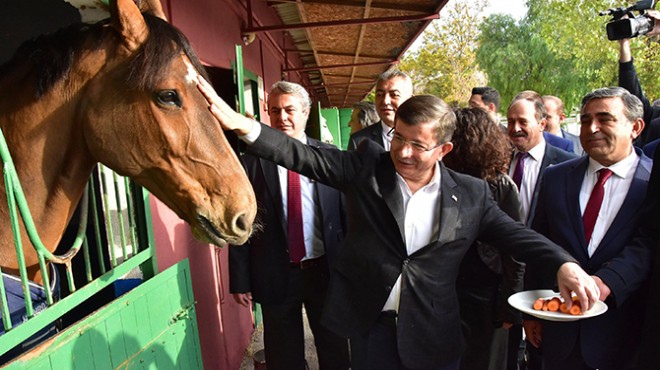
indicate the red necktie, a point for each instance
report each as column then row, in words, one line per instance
column 294, row 218
column 520, row 168
column 595, row 201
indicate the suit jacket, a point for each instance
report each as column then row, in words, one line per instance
column 612, row 337
column 575, row 139
column 558, row 142
column 374, row 252
column 649, row 233
column 373, row 132
column 262, row 265
column 551, row 157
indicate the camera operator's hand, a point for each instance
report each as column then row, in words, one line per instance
column 656, row 26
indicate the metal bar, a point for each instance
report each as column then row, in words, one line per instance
column 132, row 226
column 120, row 216
column 97, row 223
column 356, row 3
column 347, row 83
column 346, row 22
column 108, row 219
column 340, row 66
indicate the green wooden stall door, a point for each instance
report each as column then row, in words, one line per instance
column 153, row 326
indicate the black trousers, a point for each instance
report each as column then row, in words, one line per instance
column 284, row 340
column 378, row 349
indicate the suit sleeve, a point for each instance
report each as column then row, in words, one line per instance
column 628, row 80
column 329, row 166
column 511, row 237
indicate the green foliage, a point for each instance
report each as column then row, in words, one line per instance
column 445, row 63
column 559, row 48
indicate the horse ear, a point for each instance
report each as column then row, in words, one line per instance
column 153, row 7
column 128, row 21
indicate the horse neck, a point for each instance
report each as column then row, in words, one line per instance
column 45, row 140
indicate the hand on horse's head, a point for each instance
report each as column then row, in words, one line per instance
column 229, row 119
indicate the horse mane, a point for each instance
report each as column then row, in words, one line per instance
column 51, row 56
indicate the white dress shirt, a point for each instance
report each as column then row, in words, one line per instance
column 422, row 223
column 616, row 189
column 530, row 176
column 386, row 135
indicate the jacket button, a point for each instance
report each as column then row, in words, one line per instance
column 405, row 262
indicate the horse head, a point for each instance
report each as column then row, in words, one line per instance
column 144, row 117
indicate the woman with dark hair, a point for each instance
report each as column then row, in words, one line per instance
column 486, row 278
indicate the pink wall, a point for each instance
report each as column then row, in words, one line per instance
column 214, row 28
column 224, row 326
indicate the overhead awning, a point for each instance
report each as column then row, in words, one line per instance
column 345, row 45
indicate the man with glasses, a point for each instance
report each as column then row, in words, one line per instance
column 410, row 221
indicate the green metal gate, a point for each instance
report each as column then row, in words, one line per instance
column 152, row 326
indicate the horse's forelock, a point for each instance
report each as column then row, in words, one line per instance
column 164, row 43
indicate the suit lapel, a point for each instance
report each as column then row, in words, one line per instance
column 574, row 180
column 450, row 205
column 272, row 178
column 389, row 188
column 376, row 134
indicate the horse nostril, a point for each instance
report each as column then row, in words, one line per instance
column 241, row 223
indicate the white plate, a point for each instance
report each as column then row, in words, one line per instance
column 523, row 301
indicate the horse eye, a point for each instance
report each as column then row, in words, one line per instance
column 168, row 98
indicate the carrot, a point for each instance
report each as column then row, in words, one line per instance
column 563, row 308
column 538, row 304
column 575, row 309
column 553, row 304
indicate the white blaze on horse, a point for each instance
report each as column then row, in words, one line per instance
column 119, row 92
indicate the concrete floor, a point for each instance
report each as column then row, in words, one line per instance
column 257, row 344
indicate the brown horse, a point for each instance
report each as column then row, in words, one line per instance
column 121, row 92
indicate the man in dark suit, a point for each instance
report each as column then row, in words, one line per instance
column 590, row 206
column 410, row 222
column 526, row 120
column 268, row 269
column 393, row 87
column 554, row 117
column 649, row 232
column 526, row 123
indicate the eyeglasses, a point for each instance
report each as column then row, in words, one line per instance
column 417, row 147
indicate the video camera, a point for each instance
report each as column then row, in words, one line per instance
column 618, row 28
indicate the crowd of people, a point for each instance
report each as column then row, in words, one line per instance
column 404, row 249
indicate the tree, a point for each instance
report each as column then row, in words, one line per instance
column 445, row 63
column 559, row 48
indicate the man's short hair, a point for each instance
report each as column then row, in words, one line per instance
column 633, row 108
column 393, row 73
column 367, row 114
column 488, row 95
column 422, row 109
column 534, row 97
column 286, row 87
column 560, row 104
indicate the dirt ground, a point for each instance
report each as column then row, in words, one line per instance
column 257, row 344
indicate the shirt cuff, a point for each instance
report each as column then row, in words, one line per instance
column 254, row 133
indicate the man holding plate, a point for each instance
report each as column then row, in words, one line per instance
column 589, row 206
